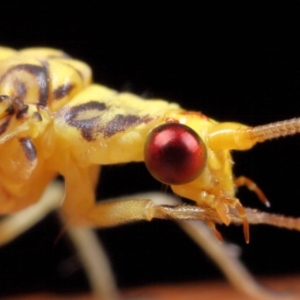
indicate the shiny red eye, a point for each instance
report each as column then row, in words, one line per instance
column 174, row 153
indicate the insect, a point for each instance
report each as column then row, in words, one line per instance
column 54, row 120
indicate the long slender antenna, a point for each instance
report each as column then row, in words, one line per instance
column 274, row 130
column 235, row 136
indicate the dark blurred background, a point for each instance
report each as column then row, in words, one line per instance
column 232, row 60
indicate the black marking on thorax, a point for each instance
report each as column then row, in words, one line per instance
column 122, row 122
column 91, row 127
column 62, row 91
column 41, row 75
column 19, row 107
column 86, row 126
column 4, row 125
column 29, row 148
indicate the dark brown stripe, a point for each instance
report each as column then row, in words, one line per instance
column 62, row 91
column 41, row 75
column 19, row 107
column 29, row 148
column 122, row 122
column 10, row 109
column 37, row 116
column 4, row 125
column 91, row 127
column 22, row 112
column 74, row 111
column 88, row 127
column 42, row 79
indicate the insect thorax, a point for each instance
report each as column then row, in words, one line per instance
column 34, row 84
column 52, row 117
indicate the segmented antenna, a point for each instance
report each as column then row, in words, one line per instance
column 274, row 130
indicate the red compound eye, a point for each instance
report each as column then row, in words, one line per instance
column 174, row 153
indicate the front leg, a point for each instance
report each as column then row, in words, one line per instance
column 81, row 209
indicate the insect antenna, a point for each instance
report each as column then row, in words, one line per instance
column 274, row 130
column 256, row 217
column 235, row 136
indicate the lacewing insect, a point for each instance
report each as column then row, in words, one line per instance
column 55, row 121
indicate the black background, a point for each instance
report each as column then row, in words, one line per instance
column 232, row 60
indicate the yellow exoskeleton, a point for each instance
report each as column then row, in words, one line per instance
column 54, row 120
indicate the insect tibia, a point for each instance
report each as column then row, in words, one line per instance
column 274, row 130
column 187, row 212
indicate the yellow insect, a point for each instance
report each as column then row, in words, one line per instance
column 53, row 120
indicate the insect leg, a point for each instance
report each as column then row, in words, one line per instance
column 95, row 262
column 251, row 185
column 235, row 203
column 81, row 209
column 220, row 253
column 14, row 225
column 230, row 265
column 86, row 243
column 221, row 205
